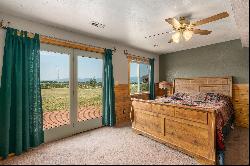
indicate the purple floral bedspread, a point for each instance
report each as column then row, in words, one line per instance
column 220, row 103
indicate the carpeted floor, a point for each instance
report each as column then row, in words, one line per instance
column 120, row 146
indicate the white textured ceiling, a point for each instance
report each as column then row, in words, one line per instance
column 129, row 21
column 241, row 15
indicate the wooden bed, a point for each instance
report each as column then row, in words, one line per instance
column 186, row 128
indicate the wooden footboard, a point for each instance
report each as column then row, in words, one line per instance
column 188, row 129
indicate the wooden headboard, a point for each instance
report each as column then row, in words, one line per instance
column 221, row 85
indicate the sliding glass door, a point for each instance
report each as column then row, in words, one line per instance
column 71, row 84
column 88, row 89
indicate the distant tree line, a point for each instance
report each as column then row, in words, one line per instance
column 144, row 87
column 92, row 83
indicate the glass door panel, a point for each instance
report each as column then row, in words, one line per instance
column 144, row 70
column 134, row 79
column 55, row 77
column 89, row 88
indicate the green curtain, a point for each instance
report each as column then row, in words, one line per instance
column 152, row 82
column 21, row 121
column 108, row 115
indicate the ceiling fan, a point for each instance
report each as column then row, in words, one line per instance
column 184, row 29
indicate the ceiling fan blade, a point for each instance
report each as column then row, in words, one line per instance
column 201, row 32
column 175, row 23
column 210, row 19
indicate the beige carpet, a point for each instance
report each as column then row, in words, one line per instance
column 109, row 146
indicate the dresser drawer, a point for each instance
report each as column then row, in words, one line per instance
column 193, row 115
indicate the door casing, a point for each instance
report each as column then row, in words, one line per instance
column 74, row 127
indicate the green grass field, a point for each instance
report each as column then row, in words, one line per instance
column 134, row 87
column 59, row 98
column 56, row 98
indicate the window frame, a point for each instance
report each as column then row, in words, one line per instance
column 138, row 76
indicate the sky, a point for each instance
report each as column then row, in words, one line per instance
column 52, row 63
column 144, row 70
column 133, row 69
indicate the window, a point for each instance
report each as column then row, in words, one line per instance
column 139, row 77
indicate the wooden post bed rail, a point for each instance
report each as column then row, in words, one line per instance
column 191, row 130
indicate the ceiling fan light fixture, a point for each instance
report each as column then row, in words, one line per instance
column 187, row 35
column 186, row 28
column 176, row 37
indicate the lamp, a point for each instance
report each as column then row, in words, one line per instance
column 165, row 85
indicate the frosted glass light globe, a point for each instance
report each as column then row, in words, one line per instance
column 176, row 37
column 187, row 35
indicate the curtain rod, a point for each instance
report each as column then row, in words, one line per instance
column 126, row 53
column 65, row 43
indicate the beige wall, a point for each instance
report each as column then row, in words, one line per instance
column 119, row 59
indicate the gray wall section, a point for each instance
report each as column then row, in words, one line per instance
column 222, row 59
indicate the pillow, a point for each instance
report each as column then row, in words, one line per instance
column 223, row 97
column 199, row 97
column 212, row 97
column 180, row 96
